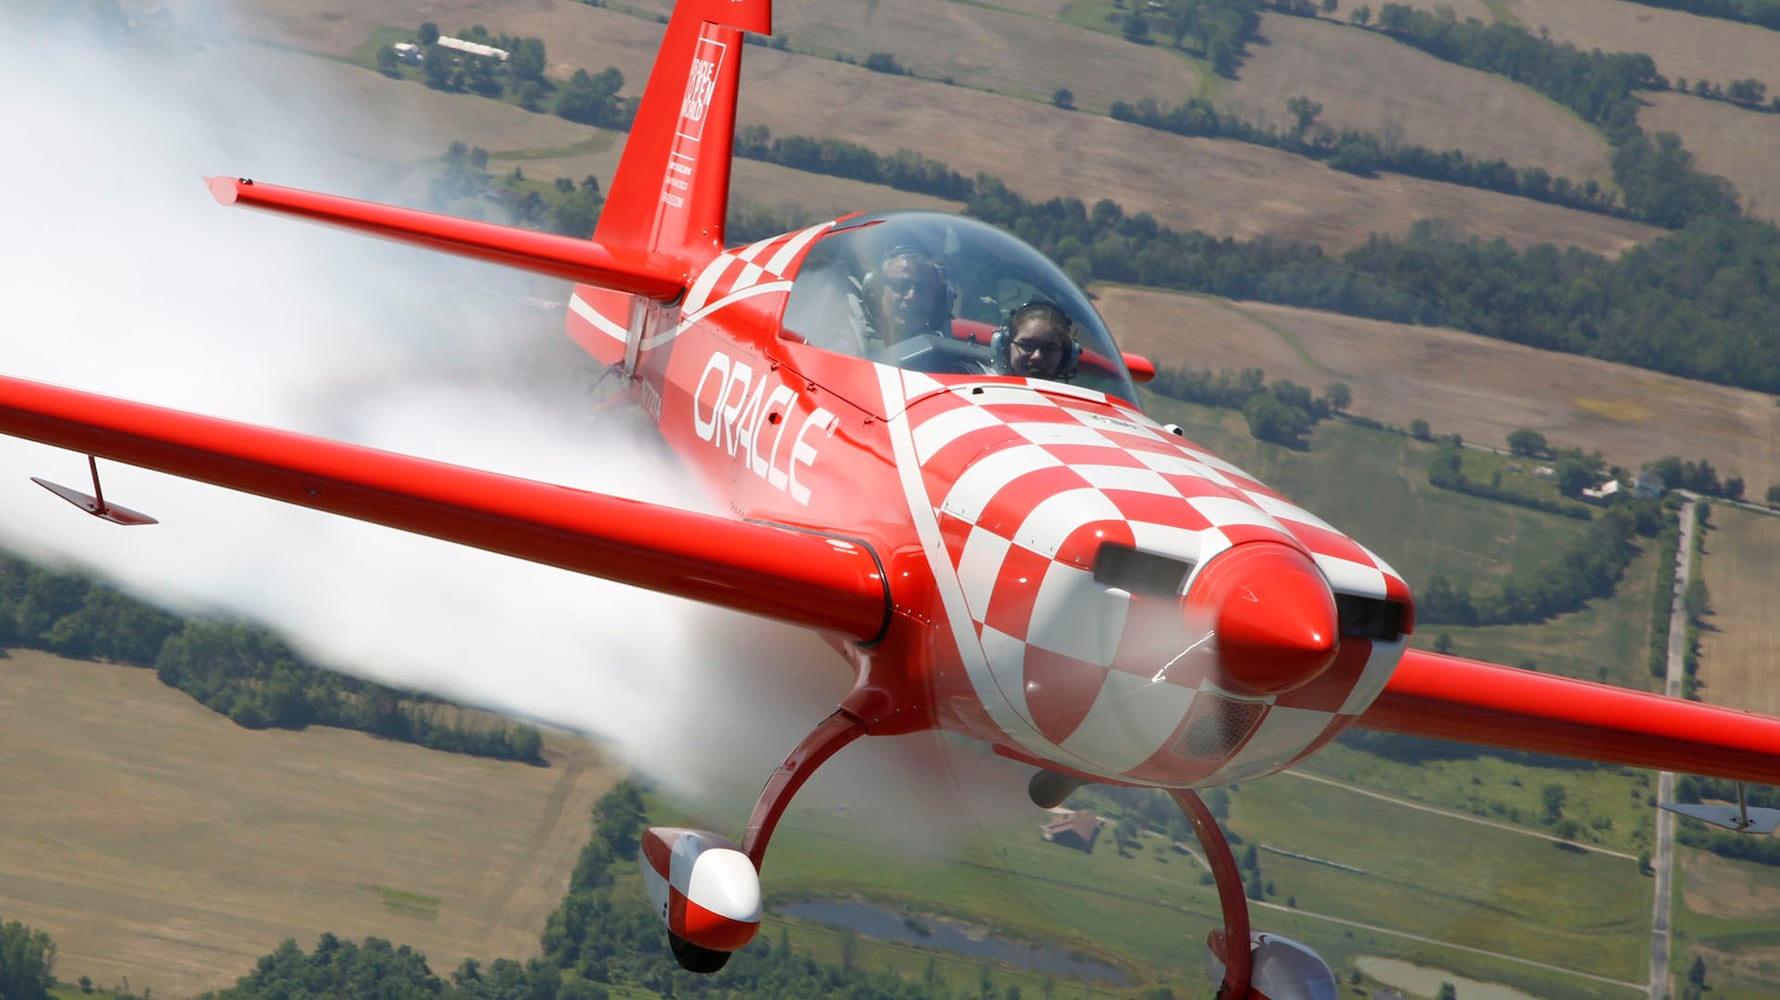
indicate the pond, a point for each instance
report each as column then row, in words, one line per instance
column 884, row 924
column 1423, row 981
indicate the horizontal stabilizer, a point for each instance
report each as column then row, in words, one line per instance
column 1728, row 816
column 651, row 275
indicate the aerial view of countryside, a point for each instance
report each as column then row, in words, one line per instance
column 1489, row 286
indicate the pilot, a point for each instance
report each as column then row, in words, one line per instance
column 909, row 296
column 1037, row 342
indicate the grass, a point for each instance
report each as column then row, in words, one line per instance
column 176, row 848
column 1738, row 643
column 1427, row 876
column 1447, row 878
column 1373, row 485
column 1741, row 936
column 1612, row 805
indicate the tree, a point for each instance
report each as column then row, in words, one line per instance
column 1362, row 15
column 1064, row 98
column 1304, row 112
column 1555, row 796
column 387, row 63
column 1695, row 599
column 1419, row 429
column 1338, row 397
column 1448, row 992
column 1529, row 443
column 429, row 34
column 1443, row 643
column 527, row 61
column 437, row 67
column 1573, row 476
column 27, row 962
column 1125, row 834
column 1136, row 28
column 591, row 99
column 1774, row 495
column 1270, row 419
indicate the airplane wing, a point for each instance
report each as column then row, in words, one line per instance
column 1452, row 698
column 820, row 581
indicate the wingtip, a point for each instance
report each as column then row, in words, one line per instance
column 225, row 189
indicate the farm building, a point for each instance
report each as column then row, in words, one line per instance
column 1073, row 829
column 472, row 48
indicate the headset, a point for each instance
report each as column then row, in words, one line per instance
column 941, row 319
column 1001, row 342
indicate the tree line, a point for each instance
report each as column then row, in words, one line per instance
column 1220, row 30
column 238, row 670
column 1697, row 303
column 603, row 939
column 1590, row 569
column 1282, row 413
column 1365, row 153
column 1657, row 177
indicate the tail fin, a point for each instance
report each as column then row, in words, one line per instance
column 672, row 186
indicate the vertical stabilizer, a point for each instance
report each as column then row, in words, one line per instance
column 672, row 185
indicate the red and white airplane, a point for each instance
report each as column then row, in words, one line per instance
column 1032, row 563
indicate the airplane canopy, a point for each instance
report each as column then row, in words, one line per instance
column 846, row 283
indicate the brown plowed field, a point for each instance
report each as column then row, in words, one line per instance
column 1683, row 45
column 1225, row 188
column 155, row 839
column 1736, row 143
column 1367, row 82
column 1481, row 388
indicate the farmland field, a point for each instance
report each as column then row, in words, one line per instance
column 1149, row 910
column 1236, row 189
column 1739, row 649
column 1685, row 46
column 1480, row 388
column 133, row 836
column 155, row 839
column 1735, row 143
column 1367, row 82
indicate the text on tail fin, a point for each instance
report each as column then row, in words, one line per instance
column 672, row 186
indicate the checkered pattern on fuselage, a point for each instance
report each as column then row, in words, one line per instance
column 1026, row 482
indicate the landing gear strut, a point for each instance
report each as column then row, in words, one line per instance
column 706, row 889
column 1251, row 966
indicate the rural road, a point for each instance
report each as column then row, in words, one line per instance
column 1661, row 859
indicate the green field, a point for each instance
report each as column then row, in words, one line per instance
column 1430, row 881
column 1374, row 486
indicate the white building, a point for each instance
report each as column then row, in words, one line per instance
column 472, row 48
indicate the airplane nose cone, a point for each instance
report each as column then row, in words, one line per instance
column 1273, row 615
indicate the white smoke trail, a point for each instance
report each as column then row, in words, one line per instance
column 121, row 275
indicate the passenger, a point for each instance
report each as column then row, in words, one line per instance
column 909, row 296
column 1037, row 342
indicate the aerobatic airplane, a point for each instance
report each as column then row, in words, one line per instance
column 1012, row 553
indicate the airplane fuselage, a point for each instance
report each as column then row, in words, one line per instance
column 1040, row 540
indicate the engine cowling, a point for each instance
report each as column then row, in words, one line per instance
column 702, row 886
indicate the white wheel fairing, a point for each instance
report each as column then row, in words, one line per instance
column 702, row 886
